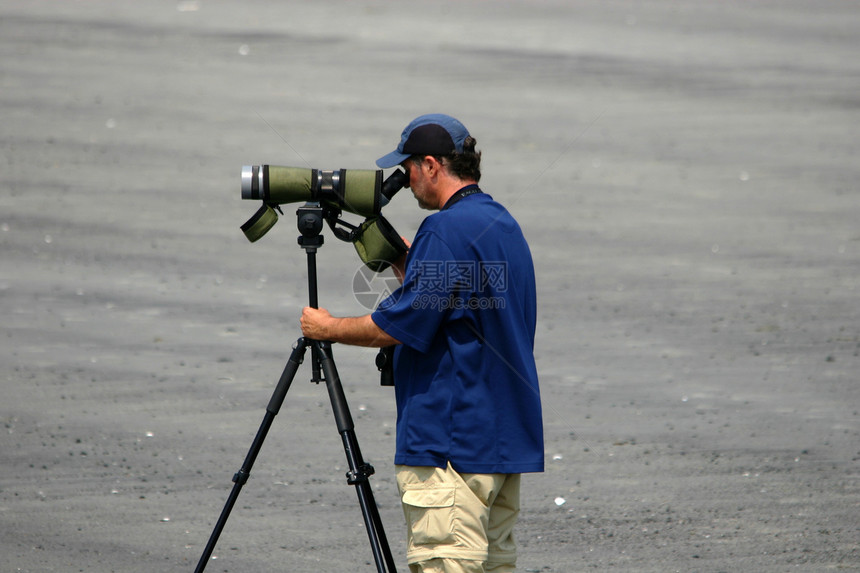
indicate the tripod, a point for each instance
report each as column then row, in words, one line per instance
column 310, row 220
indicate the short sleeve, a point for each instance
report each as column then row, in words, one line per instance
column 415, row 312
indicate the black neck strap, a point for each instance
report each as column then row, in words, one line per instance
column 464, row 192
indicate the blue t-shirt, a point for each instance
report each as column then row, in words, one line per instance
column 465, row 378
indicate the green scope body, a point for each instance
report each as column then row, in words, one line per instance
column 358, row 191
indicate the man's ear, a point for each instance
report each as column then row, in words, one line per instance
column 433, row 165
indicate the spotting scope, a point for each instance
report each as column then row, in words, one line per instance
column 359, row 191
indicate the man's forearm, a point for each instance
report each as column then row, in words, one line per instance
column 358, row 331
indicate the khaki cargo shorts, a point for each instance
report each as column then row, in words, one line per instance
column 452, row 516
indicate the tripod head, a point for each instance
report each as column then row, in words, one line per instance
column 309, row 220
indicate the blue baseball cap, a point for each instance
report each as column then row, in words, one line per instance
column 432, row 134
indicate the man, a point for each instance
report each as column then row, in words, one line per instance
column 468, row 404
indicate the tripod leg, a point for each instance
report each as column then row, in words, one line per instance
column 241, row 477
column 359, row 471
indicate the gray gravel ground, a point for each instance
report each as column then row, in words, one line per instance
column 686, row 173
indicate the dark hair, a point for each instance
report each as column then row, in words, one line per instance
column 466, row 165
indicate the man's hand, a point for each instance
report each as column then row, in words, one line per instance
column 315, row 322
column 319, row 324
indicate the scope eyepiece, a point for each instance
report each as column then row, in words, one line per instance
column 395, row 182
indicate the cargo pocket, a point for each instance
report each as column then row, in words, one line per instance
column 430, row 513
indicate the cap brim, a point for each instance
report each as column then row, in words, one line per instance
column 393, row 159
